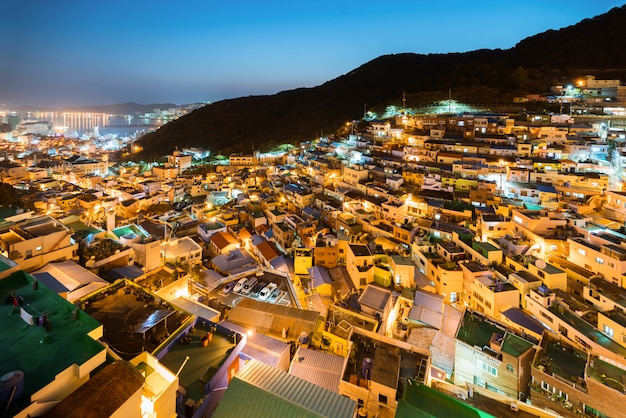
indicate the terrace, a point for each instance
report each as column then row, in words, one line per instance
column 476, row 330
column 607, row 374
column 197, row 359
column 135, row 320
column 563, row 362
column 102, row 249
column 43, row 352
column 382, row 357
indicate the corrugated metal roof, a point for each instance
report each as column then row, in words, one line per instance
column 272, row 319
column 318, row 367
column 375, row 297
column 262, row 391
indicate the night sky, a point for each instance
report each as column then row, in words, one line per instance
column 78, row 52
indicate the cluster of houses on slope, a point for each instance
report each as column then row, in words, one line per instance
column 485, row 252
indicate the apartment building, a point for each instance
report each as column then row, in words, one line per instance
column 565, row 375
column 32, row 243
column 489, row 356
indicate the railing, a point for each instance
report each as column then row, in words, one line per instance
column 570, row 383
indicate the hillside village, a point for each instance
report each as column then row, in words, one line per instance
column 464, row 262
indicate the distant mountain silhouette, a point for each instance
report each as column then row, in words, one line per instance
column 593, row 46
column 130, row 108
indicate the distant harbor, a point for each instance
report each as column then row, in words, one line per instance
column 79, row 123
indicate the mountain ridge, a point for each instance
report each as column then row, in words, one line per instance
column 480, row 76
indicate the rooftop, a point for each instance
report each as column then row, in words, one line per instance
column 389, row 362
column 134, row 320
column 102, row 395
column 419, row 400
column 202, row 359
column 607, row 374
column 562, row 360
column 39, row 353
column 270, row 392
column 587, row 329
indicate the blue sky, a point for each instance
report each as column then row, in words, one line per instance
column 72, row 52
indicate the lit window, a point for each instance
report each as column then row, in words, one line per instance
column 608, row 331
column 582, row 251
column 599, row 260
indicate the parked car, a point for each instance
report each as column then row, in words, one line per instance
column 277, row 295
column 257, row 288
column 228, row 287
column 239, row 286
column 247, row 288
column 265, row 293
column 274, row 295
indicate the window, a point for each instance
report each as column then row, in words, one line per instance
column 608, row 331
column 29, row 253
column 582, row 251
column 599, row 260
column 487, row 368
column 382, row 398
column 509, row 367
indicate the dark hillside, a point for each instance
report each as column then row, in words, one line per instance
column 593, row 46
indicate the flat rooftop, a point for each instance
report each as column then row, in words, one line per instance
column 38, row 353
column 180, row 247
column 590, row 331
column 563, row 360
column 134, row 320
column 202, row 359
column 398, row 364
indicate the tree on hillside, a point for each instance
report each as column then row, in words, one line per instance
column 8, row 195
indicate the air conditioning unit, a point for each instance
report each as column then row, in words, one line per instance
column 514, row 406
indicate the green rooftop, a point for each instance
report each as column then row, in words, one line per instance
column 515, row 345
column 42, row 354
column 5, row 264
column 607, row 374
column 421, row 401
column 476, row 330
column 588, row 330
column 263, row 391
column 202, row 361
column 484, row 247
column 131, row 230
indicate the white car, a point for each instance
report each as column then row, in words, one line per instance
column 266, row 291
column 239, row 285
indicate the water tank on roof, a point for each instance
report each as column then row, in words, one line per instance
column 304, row 338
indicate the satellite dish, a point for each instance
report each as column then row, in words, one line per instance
column 540, row 264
